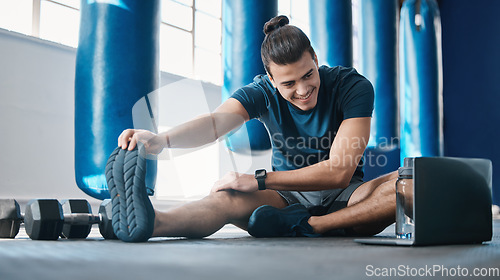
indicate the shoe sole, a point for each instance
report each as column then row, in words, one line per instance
column 132, row 211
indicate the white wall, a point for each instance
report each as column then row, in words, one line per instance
column 37, row 115
column 36, row 118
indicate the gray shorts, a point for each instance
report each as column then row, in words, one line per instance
column 320, row 203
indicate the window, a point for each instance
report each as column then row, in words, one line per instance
column 59, row 21
column 16, row 15
column 56, row 21
column 191, row 39
column 297, row 11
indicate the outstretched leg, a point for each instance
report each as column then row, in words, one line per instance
column 204, row 217
column 370, row 209
column 135, row 220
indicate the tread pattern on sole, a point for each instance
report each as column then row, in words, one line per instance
column 132, row 212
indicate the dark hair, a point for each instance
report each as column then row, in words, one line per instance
column 283, row 44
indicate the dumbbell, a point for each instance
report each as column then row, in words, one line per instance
column 78, row 219
column 47, row 219
column 10, row 218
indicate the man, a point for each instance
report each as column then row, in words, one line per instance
column 314, row 189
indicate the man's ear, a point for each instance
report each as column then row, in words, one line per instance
column 316, row 60
column 271, row 79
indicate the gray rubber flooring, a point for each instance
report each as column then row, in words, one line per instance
column 232, row 254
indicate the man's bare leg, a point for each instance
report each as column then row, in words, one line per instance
column 206, row 216
column 371, row 208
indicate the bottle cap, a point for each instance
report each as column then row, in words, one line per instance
column 407, row 169
column 408, row 162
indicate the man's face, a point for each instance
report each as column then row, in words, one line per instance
column 297, row 82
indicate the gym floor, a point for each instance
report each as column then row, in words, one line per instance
column 232, row 254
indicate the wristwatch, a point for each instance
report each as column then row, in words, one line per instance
column 261, row 175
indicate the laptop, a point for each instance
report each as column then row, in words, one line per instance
column 451, row 203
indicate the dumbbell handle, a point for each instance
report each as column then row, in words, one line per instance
column 82, row 219
column 78, row 218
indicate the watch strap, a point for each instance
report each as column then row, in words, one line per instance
column 262, row 183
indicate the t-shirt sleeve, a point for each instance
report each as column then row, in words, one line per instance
column 253, row 98
column 358, row 96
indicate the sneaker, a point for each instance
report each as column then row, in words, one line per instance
column 291, row 221
column 133, row 214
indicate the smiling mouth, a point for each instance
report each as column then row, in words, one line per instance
column 305, row 97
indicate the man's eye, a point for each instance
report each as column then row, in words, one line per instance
column 308, row 75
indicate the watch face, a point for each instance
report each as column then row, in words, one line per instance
column 260, row 173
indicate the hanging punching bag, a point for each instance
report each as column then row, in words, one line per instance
column 377, row 23
column 242, row 36
column 377, row 42
column 421, row 82
column 116, row 65
column 331, row 31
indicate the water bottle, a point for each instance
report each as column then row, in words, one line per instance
column 404, row 201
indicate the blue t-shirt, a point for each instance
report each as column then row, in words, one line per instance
column 302, row 138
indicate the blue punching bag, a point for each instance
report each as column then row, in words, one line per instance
column 377, row 42
column 421, row 120
column 116, row 65
column 377, row 23
column 242, row 36
column 331, row 31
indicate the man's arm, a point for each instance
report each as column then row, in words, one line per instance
column 197, row 132
column 336, row 172
column 208, row 128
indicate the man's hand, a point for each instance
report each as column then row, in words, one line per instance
column 153, row 143
column 236, row 181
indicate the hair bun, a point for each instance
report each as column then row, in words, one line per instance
column 275, row 23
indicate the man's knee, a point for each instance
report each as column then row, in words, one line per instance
column 393, row 175
column 387, row 189
column 225, row 198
